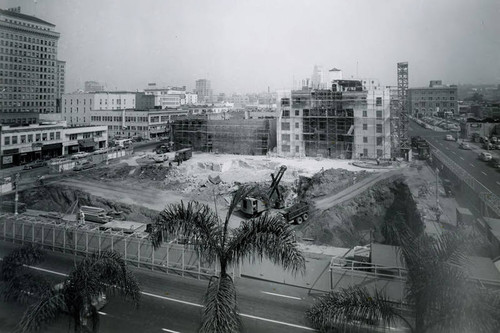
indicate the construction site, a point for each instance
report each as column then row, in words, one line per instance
column 338, row 203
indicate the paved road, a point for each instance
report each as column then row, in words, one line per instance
column 467, row 159
column 172, row 304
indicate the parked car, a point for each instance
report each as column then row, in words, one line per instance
column 101, row 151
column 449, row 137
column 84, row 166
column 485, row 156
column 494, row 140
column 79, row 155
column 464, row 145
column 488, row 145
column 495, row 162
column 35, row 164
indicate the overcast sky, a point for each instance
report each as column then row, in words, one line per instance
column 246, row 46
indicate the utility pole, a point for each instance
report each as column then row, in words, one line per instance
column 437, row 187
column 16, row 197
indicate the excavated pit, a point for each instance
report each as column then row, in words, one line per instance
column 357, row 221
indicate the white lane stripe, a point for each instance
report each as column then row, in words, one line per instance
column 462, row 158
column 278, row 322
column 484, row 173
column 498, row 183
column 453, row 153
column 171, row 299
column 102, row 313
column 199, row 305
column 471, row 164
column 279, row 295
column 171, row 331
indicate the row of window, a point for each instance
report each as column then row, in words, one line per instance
column 138, row 128
column 27, row 46
column 29, row 25
column 425, row 104
column 20, row 104
column 379, row 140
column 41, row 110
column 429, row 92
column 26, row 82
column 31, row 54
column 25, row 67
column 28, row 138
column 25, row 89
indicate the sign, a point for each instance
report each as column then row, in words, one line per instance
column 37, row 145
column 25, row 149
column 7, row 160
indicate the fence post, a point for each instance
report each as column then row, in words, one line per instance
column 33, row 233
column 99, row 241
column 53, row 238
column 139, row 254
column 152, row 258
column 13, row 231
column 43, row 234
column 86, row 243
column 111, row 242
column 64, row 240
column 125, row 247
column 183, row 251
column 22, row 233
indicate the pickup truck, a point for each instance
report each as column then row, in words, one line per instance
column 35, row 164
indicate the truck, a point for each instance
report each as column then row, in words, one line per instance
column 421, row 147
column 183, row 154
column 160, row 158
column 164, row 148
column 252, row 206
column 95, row 214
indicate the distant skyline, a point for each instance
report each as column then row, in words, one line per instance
column 247, row 46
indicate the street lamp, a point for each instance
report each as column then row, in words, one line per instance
column 16, row 197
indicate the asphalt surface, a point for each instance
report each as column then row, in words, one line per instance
column 469, row 160
column 173, row 304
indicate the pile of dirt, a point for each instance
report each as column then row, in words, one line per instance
column 54, row 198
column 156, row 172
column 360, row 219
column 116, row 172
column 329, row 181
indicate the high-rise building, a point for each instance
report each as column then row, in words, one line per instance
column 28, row 67
column 204, row 91
column 61, row 78
column 93, row 86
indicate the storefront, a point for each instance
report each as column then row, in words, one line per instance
column 51, row 150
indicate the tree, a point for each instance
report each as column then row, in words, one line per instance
column 98, row 274
column 264, row 236
column 438, row 291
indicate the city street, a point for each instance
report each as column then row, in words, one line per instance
column 466, row 159
column 173, row 304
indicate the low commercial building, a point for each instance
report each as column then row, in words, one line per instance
column 20, row 144
column 435, row 100
column 130, row 123
column 76, row 107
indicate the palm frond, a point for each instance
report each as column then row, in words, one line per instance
column 104, row 272
column 43, row 312
column 24, row 288
column 266, row 236
column 238, row 196
column 350, row 308
column 220, row 313
column 26, row 255
column 191, row 220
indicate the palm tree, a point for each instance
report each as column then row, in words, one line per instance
column 96, row 275
column 438, row 291
column 264, row 236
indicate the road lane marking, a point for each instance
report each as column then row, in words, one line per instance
column 484, row 173
column 498, row 183
column 462, row 158
column 453, row 153
column 279, row 295
column 471, row 164
column 197, row 305
column 171, row 331
column 102, row 313
column 278, row 322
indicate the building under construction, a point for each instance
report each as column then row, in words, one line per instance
column 350, row 120
column 231, row 136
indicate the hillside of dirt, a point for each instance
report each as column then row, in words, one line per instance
column 55, row 198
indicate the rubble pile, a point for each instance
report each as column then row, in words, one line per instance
column 329, row 181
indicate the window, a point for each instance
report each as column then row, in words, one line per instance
column 30, row 137
column 297, row 125
column 365, row 139
column 73, row 136
column 380, row 139
column 285, row 148
column 297, row 149
column 286, row 113
column 379, row 128
column 58, row 135
column 379, row 152
column 44, row 136
column 14, row 139
column 38, row 137
column 285, row 126
column 6, row 140
column 297, row 136
column 365, row 152
column 379, row 114
column 378, row 101
column 365, row 113
column 285, row 137
column 23, row 138
column 86, row 135
column 365, row 127
column 297, row 112
column 52, row 135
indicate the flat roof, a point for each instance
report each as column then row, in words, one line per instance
column 386, row 256
column 24, row 17
column 482, row 268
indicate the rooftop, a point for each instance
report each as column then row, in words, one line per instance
column 24, row 17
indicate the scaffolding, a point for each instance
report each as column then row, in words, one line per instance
column 232, row 136
column 404, row 142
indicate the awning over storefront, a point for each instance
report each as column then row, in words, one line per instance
column 52, row 146
column 85, row 143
